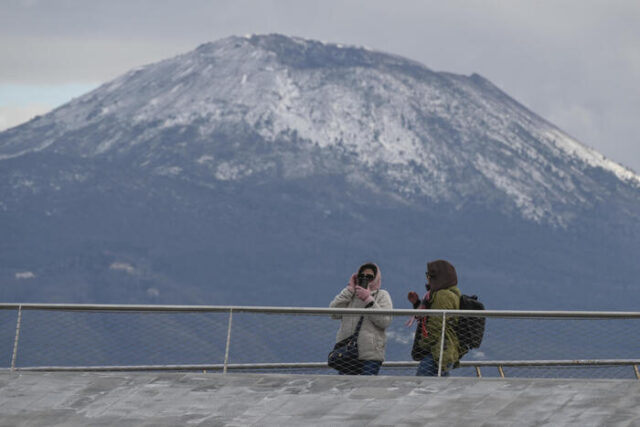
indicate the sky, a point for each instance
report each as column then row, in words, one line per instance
column 574, row 62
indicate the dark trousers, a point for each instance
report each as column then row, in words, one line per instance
column 369, row 367
column 429, row 368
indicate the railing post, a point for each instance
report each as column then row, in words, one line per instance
column 444, row 324
column 14, row 355
column 478, row 373
column 500, row 371
column 226, row 351
column 635, row 369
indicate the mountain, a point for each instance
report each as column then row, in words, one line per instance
column 263, row 170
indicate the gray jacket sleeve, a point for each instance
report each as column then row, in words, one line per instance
column 382, row 301
column 341, row 300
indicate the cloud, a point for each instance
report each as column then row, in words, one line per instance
column 48, row 61
column 123, row 266
column 11, row 116
column 20, row 103
column 575, row 62
column 477, row 355
column 25, row 275
column 401, row 336
column 153, row 292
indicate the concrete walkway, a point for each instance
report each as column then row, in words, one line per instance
column 181, row 399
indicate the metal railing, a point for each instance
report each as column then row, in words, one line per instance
column 623, row 343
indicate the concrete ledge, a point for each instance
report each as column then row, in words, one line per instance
column 170, row 399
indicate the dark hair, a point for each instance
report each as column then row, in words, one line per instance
column 370, row 265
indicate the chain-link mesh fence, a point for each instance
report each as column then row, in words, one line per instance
column 279, row 340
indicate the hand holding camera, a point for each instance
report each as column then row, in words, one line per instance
column 364, row 294
column 362, row 290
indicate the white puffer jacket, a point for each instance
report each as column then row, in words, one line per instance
column 372, row 339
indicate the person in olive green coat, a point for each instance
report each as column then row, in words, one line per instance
column 442, row 294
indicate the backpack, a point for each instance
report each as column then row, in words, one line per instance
column 470, row 330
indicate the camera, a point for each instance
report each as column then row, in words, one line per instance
column 363, row 282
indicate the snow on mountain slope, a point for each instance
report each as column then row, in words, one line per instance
column 439, row 136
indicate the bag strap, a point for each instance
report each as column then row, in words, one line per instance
column 357, row 332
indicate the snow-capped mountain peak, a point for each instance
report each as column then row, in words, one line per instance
column 423, row 134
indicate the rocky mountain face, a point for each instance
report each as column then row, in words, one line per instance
column 264, row 170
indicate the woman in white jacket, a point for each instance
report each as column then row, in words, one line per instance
column 363, row 291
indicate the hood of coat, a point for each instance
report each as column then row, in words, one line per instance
column 375, row 284
column 443, row 275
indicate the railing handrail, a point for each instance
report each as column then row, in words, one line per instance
column 322, row 365
column 315, row 310
column 229, row 310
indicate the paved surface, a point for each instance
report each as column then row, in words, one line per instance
column 182, row 399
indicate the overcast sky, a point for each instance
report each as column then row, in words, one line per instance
column 574, row 62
